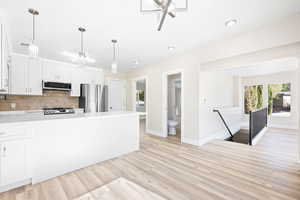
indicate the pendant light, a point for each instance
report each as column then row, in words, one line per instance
column 80, row 57
column 33, row 49
column 114, row 65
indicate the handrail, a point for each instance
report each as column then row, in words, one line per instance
column 222, row 118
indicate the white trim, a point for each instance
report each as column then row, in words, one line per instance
column 133, row 82
column 293, row 127
column 208, row 139
column 165, row 101
column 15, row 185
column 259, row 136
column 190, row 141
column 156, row 133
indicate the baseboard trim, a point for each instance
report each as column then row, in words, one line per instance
column 153, row 132
column 208, row 139
column 282, row 126
column 15, row 185
column 259, row 136
column 190, row 141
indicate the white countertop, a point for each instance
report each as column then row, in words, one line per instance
column 31, row 117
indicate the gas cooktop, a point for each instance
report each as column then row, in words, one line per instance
column 57, row 111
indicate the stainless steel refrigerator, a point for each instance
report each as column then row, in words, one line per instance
column 93, row 98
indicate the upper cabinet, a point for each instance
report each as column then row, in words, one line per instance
column 4, row 59
column 56, row 71
column 34, row 76
column 25, row 75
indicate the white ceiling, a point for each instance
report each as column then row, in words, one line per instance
column 264, row 68
column 137, row 35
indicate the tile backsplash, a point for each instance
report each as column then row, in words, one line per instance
column 50, row 99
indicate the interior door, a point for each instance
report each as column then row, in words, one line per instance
column 116, row 95
column 13, row 161
column 34, row 76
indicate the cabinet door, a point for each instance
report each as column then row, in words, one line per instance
column 3, row 60
column 6, row 61
column 65, row 70
column 18, row 74
column 13, row 161
column 34, row 76
column 56, row 71
column 50, row 71
column 76, row 81
column 1, row 56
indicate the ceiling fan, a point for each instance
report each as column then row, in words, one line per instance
column 167, row 7
column 81, row 57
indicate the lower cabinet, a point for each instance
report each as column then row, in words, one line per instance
column 15, row 160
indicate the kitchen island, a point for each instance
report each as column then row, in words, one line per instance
column 38, row 147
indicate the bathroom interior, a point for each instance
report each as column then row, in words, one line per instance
column 140, row 104
column 174, row 105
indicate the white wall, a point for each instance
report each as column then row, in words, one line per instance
column 154, row 73
column 283, row 77
column 278, row 40
column 216, row 90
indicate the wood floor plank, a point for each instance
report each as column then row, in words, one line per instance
column 52, row 189
column 72, row 185
column 89, row 178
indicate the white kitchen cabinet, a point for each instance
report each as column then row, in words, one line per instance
column 34, row 77
column 25, row 75
column 76, row 81
column 4, row 59
column 18, row 71
column 56, row 71
column 13, row 161
column 92, row 76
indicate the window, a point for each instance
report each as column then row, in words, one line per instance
column 279, row 102
column 253, row 98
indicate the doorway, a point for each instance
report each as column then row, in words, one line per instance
column 140, row 101
column 173, row 101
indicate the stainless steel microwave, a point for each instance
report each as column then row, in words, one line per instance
column 47, row 85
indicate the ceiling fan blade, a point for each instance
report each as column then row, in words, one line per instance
column 165, row 12
column 172, row 14
column 159, row 3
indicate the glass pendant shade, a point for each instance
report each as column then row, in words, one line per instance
column 33, row 51
column 114, row 67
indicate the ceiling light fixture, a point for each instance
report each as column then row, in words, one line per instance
column 114, row 65
column 231, row 22
column 33, row 49
column 82, row 56
column 171, row 48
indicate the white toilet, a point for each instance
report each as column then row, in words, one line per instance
column 172, row 124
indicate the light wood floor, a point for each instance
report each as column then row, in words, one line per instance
column 218, row 170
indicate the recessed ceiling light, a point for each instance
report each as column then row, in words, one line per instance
column 171, row 48
column 231, row 22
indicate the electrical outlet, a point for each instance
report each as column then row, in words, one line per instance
column 13, row 106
